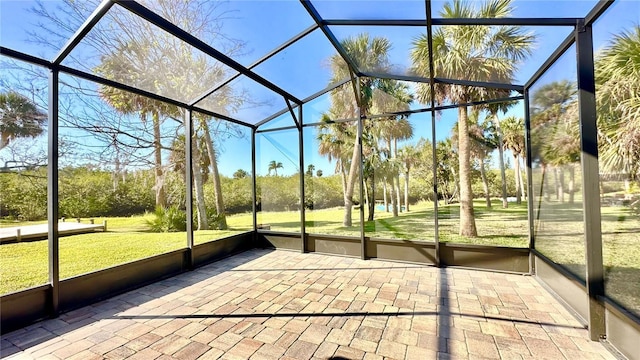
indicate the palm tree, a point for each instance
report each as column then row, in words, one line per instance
column 117, row 66
column 240, row 174
column 446, row 176
column 618, row 100
column 408, row 156
column 494, row 110
column 482, row 144
column 273, row 165
column 478, row 53
column 19, row 118
column 549, row 105
column 513, row 131
column 366, row 53
column 392, row 96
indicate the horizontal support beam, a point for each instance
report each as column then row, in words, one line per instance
column 293, row 127
column 25, row 57
column 420, row 79
column 458, row 21
column 174, row 30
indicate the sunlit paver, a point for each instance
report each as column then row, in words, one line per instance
column 265, row 304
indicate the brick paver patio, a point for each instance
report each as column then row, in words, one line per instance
column 284, row 305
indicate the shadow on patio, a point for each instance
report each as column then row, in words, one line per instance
column 264, row 304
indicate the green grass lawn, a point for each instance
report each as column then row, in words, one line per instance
column 559, row 236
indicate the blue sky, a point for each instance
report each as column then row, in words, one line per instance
column 302, row 69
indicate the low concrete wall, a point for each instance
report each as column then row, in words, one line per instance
column 25, row 307
column 569, row 289
column 623, row 331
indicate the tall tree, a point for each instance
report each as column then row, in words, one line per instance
column 369, row 53
column 550, row 103
column 409, row 157
column 479, row 53
column 618, row 99
column 132, row 51
column 19, row 118
column 494, row 110
column 274, row 165
column 513, row 131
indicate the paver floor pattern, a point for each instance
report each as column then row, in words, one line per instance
column 264, row 304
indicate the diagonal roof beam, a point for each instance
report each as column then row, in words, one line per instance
column 329, row 34
column 597, row 10
column 562, row 48
column 117, row 85
column 257, row 62
column 176, row 31
column 458, row 21
column 293, row 115
column 306, row 100
column 84, row 29
column 593, row 15
column 421, row 79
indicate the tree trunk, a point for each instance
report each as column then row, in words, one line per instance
column 351, row 182
column 556, row 186
column 392, row 190
column 217, row 186
column 503, row 176
column 343, row 177
column 561, row 184
column 201, row 209
column 397, row 177
column 397, row 185
column 544, row 182
column 522, row 187
column 116, row 171
column 467, row 218
column 384, row 190
column 516, row 175
column 627, row 185
column 406, row 191
column 161, row 197
column 372, row 202
column 485, row 183
column 366, row 193
column 572, row 177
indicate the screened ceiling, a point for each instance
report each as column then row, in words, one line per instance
column 274, row 55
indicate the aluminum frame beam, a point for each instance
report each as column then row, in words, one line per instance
column 590, row 181
column 266, row 57
column 560, row 50
column 53, row 195
column 84, row 29
column 303, row 230
column 329, row 34
column 305, row 100
column 188, row 151
column 176, row 31
column 457, row 21
column 438, row 80
column 434, row 157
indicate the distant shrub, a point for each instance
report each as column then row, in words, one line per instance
column 170, row 219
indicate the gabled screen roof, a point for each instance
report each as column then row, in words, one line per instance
column 243, row 60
